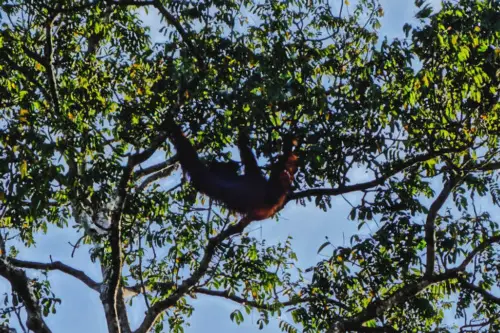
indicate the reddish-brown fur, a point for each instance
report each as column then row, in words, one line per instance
column 250, row 194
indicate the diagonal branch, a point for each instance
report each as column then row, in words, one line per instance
column 59, row 266
column 29, row 75
column 491, row 166
column 394, row 169
column 155, row 168
column 21, row 286
column 430, row 222
column 186, row 36
column 34, row 56
column 376, row 309
column 485, row 294
column 138, row 158
column 154, row 177
column 480, row 248
column 158, row 308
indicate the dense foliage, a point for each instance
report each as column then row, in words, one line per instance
column 84, row 94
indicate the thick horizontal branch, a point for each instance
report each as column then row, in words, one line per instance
column 240, row 300
column 80, row 275
column 337, row 191
column 393, row 170
column 59, row 266
column 21, row 286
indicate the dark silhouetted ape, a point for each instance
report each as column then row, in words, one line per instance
column 251, row 193
column 227, row 168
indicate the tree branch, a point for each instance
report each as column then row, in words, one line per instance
column 90, row 4
column 430, row 222
column 154, row 177
column 59, row 266
column 155, row 168
column 258, row 305
column 158, row 308
column 394, row 169
column 114, row 276
column 122, row 314
column 377, row 308
column 490, row 166
column 49, row 63
column 138, row 158
column 115, row 232
column 134, row 160
column 21, row 286
column 186, row 36
column 29, row 75
column 35, row 56
column 480, row 248
column 383, row 329
column 122, row 191
column 80, row 275
column 486, row 295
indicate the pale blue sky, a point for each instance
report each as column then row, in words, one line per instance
column 81, row 310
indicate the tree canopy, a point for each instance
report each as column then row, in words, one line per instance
column 85, row 94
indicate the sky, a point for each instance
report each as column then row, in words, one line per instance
column 81, row 310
